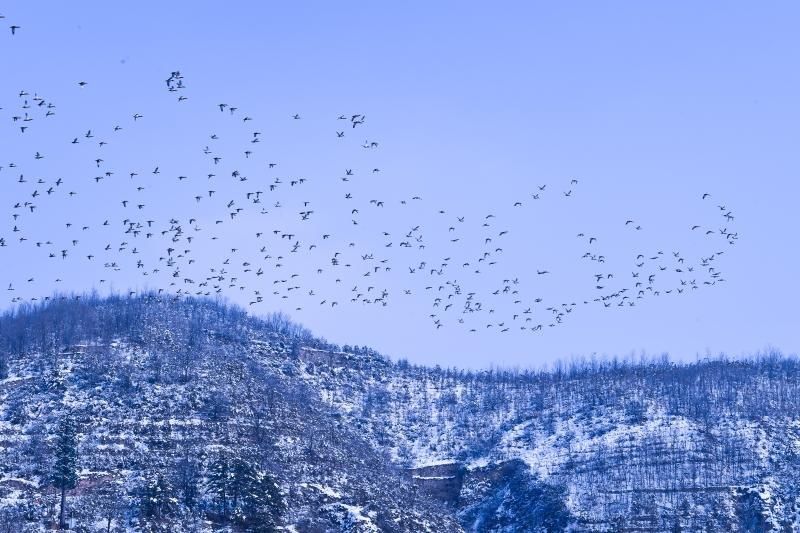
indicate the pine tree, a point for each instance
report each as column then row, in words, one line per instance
column 219, row 478
column 187, row 478
column 295, row 350
column 245, row 496
column 263, row 503
column 65, row 469
column 158, row 501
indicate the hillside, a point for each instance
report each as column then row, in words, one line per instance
column 645, row 446
column 165, row 395
column 189, row 415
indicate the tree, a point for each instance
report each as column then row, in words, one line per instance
column 158, row 501
column 261, row 502
column 65, row 469
column 245, row 496
column 295, row 350
column 218, row 477
column 107, row 502
column 187, row 478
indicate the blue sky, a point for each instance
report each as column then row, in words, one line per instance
column 474, row 106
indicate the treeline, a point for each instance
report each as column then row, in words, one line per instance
column 647, row 443
column 151, row 413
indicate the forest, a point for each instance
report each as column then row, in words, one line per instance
column 151, row 413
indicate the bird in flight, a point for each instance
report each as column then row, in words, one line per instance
column 420, row 262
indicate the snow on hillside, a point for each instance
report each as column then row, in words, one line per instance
column 190, row 416
column 181, row 424
column 654, row 445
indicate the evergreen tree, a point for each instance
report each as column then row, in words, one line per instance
column 245, row 496
column 241, row 476
column 158, row 503
column 65, row 469
column 263, row 504
column 295, row 350
column 187, row 479
column 219, row 478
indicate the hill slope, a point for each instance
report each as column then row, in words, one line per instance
column 192, row 416
column 170, row 399
column 646, row 446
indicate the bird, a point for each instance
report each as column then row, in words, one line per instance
column 176, row 234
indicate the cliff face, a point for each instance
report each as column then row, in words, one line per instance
column 441, row 482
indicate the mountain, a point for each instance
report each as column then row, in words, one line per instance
column 154, row 413
column 185, row 412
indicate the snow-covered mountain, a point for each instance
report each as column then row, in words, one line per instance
column 600, row 446
column 189, row 415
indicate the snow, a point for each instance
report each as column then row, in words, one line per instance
column 440, row 462
column 606, row 447
column 356, row 513
column 481, row 462
column 327, row 491
column 20, row 480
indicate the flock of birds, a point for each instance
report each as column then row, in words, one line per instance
column 281, row 256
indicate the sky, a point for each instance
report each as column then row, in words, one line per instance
column 473, row 107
